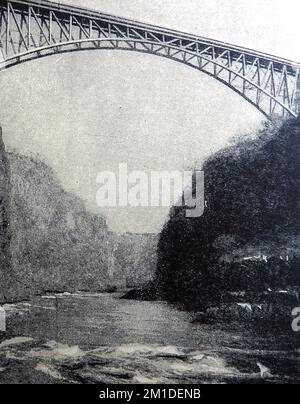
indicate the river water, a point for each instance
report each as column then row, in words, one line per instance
column 99, row 338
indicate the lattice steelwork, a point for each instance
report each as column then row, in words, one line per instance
column 33, row 29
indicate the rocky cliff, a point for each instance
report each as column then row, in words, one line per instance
column 252, row 207
column 56, row 244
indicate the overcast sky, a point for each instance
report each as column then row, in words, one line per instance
column 88, row 112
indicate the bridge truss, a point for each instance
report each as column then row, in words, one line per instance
column 35, row 29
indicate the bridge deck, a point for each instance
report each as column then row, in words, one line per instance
column 90, row 13
column 31, row 29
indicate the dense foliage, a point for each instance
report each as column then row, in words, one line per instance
column 252, row 192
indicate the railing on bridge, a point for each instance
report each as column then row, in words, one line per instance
column 33, row 29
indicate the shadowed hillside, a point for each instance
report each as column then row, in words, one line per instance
column 247, row 241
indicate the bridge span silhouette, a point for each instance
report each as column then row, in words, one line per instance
column 34, row 29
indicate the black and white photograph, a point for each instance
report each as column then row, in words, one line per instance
column 149, row 194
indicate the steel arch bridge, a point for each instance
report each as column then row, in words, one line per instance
column 34, row 29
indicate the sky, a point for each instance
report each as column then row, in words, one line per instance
column 88, row 112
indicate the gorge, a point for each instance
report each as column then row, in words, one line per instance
column 54, row 244
column 243, row 250
column 212, row 297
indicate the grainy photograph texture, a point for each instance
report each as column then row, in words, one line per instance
column 149, row 192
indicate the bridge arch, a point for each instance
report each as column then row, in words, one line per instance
column 35, row 29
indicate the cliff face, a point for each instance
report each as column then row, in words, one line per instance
column 52, row 243
column 56, row 244
column 4, row 218
column 252, row 197
column 136, row 255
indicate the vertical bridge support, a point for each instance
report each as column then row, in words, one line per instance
column 297, row 94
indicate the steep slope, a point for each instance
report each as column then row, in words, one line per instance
column 56, row 244
column 252, row 192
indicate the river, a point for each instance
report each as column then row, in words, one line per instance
column 99, row 338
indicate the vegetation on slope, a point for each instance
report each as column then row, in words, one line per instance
column 252, row 192
column 56, row 244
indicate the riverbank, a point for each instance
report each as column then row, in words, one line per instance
column 266, row 309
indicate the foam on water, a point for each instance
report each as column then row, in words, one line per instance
column 132, row 363
column 148, row 350
column 15, row 341
column 141, row 379
column 133, row 349
column 48, row 370
column 55, row 351
column 165, row 362
column 206, row 365
column 191, row 353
